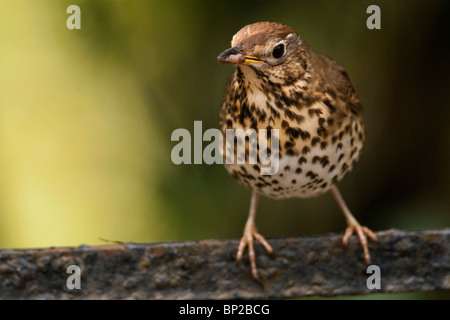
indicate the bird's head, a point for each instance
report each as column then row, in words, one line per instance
column 272, row 49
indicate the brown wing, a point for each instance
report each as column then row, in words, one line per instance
column 332, row 79
column 344, row 88
column 339, row 82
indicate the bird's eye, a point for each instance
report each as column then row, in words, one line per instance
column 278, row 51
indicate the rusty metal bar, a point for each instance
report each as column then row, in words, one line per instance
column 299, row 267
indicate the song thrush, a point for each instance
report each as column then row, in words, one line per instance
column 281, row 83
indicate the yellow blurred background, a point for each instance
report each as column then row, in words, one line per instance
column 77, row 141
column 86, row 118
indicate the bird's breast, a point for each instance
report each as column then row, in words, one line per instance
column 319, row 140
column 315, row 149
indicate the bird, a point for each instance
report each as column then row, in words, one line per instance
column 281, row 83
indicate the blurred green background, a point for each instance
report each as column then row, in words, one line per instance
column 86, row 118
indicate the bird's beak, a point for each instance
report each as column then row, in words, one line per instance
column 234, row 55
column 231, row 55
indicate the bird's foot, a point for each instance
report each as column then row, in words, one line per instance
column 251, row 233
column 362, row 232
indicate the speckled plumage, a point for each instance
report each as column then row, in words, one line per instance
column 306, row 96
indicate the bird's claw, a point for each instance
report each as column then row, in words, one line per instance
column 251, row 233
column 362, row 232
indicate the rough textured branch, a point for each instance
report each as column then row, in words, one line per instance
column 409, row 261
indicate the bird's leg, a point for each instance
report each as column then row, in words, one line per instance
column 251, row 233
column 353, row 225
